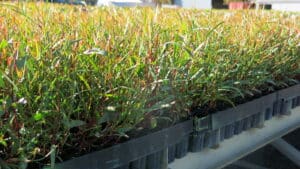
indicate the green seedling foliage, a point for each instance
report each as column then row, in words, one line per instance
column 74, row 78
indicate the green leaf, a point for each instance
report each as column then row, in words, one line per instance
column 257, row 91
column 153, row 74
column 95, row 51
column 23, row 164
column 232, row 89
column 153, row 122
column 225, row 99
column 21, row 62
column 85, row 82
column 106, row 117
column 3, row 44
column 1, row 112
column 75, row 123
column 165, row 103
column 196, row 75
column 38, row 116
column 2, row 84
column 122, row 131
column 294, row 81
column 270, row 81
column 109, row 95
column 214, row 28
column 188, row 51
column 2, row 141
column 10, row 81
column 248, row 92
column 71, row 42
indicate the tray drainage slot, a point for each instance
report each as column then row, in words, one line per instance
column 138, row 164
column 196, row 141
column 182, row 147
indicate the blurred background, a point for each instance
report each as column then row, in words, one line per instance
column 282, row 5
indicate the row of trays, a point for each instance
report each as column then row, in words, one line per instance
column 156, row 150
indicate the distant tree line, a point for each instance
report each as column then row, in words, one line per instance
column 219, row 4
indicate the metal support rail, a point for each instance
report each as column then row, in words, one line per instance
column 240, row 145
column 288, row 150
column 247, row 165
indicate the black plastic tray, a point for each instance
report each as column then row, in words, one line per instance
column 122, row 154
column 209, row 131
column 156, row 150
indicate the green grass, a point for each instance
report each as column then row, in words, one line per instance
column 75, row 78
